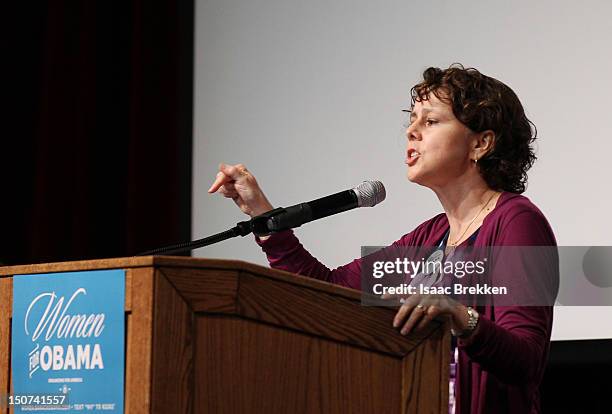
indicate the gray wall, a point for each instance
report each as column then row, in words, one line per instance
column 308, row 96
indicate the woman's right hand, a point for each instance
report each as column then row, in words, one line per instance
column 237, row 183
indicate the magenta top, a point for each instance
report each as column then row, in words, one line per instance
column 500, row 366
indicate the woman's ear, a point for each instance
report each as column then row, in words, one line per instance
column 484, row 143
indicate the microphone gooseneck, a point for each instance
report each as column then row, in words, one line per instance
column 366, row 194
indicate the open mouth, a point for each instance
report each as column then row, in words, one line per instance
column 412, row 156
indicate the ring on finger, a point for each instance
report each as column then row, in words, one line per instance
column 420, row 307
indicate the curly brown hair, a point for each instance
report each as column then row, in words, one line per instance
column 483, row 103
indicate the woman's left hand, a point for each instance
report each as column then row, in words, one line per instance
column 419, row 310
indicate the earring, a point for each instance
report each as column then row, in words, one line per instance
column 475, row 161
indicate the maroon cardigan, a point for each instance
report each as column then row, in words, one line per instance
column 501, row 365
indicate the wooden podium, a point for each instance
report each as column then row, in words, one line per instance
column 224, row 336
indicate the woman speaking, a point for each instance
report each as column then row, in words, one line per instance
column 470, row 142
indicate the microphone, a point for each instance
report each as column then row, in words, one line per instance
column 366, row 194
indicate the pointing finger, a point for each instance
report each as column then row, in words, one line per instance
column 219, row 181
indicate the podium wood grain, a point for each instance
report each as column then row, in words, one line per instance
column 233, row 337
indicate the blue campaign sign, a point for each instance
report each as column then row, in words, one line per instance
column 68, row 340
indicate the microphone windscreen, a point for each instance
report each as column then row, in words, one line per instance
column 370, row 193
